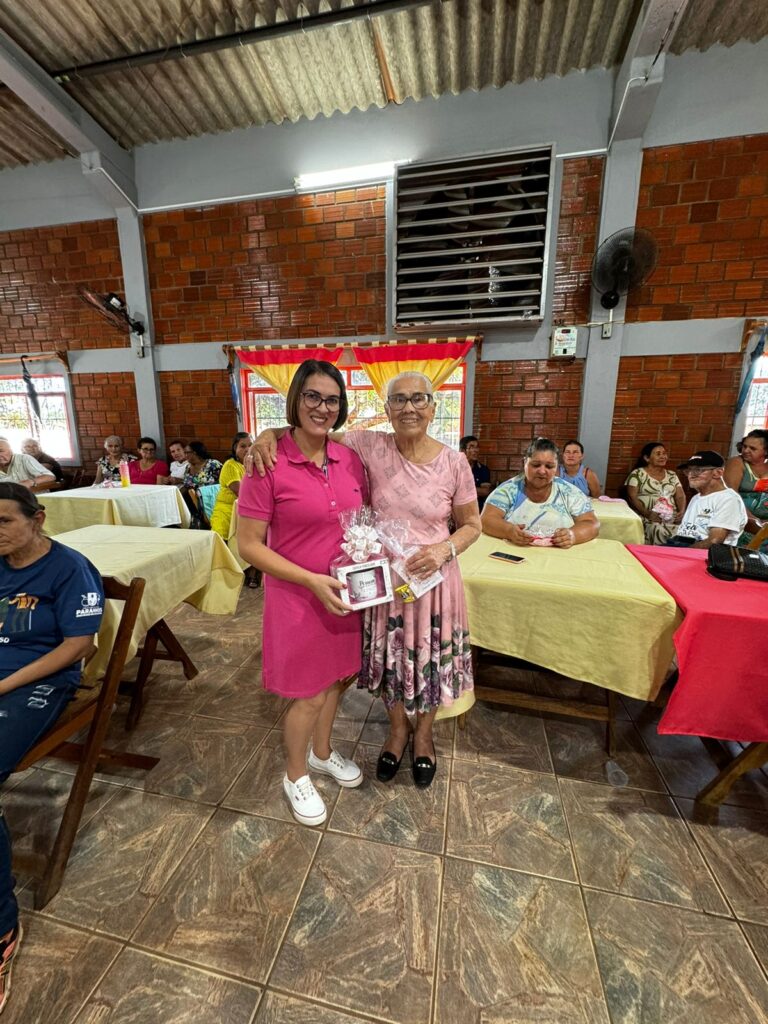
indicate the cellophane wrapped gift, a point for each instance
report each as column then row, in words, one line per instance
column 395, row 533
column 664, row 509
column 362, row 566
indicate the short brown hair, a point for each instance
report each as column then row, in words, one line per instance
column 300, row 378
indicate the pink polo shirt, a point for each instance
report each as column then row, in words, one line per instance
column 305, row 648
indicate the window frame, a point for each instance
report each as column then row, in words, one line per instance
column 250, row 422
column 65, row 393
column 761, row 368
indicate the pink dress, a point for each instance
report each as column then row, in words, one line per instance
column 419, row 653
column 305, row 648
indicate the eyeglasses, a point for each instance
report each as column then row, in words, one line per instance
column 146, row 449
column 419, row 400
column 313, row 400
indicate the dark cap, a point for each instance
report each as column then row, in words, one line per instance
column 703, row 460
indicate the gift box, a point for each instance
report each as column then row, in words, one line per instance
column 365, row 583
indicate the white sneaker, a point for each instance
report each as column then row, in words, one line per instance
column 345, row 772
column 306, row 803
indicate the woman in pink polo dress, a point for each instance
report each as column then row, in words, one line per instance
column 416, row 656
column 289, row 528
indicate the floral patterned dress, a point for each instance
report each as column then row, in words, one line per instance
column 648, row 493
column 417, row 653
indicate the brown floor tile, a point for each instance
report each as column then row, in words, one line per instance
column 242, row 698
column 168, row 691
column 515, row 949
column 495, row 735
column 578, row 752
column 56, row 969
column 143, row 989
column 734, row 841
column 687, row 767
column 510, row 818
column 199, row 757
column 122, row 859
column 758, row 938
column 394, row 812
column 363, row 937
column 229, row 904
column 667, row 965
column 634, row 842
column 259, row 789
column 279, row 1009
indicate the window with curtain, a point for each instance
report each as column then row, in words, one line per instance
column 757, row 402
column 55, row 432
column 263, row 407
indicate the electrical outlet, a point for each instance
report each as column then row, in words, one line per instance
column 607, row 330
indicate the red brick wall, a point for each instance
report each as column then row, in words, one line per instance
column 40, row 269
column 517, row 401
column 706, row 203
column 297, row 266
column 577, row 237
column 197, row 406
column 686, row 401
column 105, row 403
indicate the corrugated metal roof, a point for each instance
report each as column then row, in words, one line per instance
column 708, row 22
column 447, row 46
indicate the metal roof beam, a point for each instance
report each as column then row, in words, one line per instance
column 105, row 163
column 639, row 79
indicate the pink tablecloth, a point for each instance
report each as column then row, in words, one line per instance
column 722, row 648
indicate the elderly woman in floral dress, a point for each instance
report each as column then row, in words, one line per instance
column 416, row 655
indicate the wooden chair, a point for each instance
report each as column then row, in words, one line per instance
column 759, row 538
column 90, row 707
column 159, row 633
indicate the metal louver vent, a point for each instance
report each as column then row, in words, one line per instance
column 471, row 239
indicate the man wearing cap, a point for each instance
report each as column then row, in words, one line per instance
column 716, row 514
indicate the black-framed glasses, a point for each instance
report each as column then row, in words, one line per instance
column 313, row 400
column 144, row 448
column 419, row 400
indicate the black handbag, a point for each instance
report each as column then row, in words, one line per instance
column 731, row 563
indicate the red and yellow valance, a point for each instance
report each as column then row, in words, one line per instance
column 436, row 358
column 278, row 364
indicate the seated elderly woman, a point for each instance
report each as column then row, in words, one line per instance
column 45, row 634
column 108, row 466
column 202, row 468
column 536, row 507
column 29, row 446
column 147, row 469
column 747, row 473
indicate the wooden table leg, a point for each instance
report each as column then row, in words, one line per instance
column 159, row 633
column 753, row 756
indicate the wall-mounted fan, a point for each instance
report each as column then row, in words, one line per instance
column 113, row 309
column 622, row 262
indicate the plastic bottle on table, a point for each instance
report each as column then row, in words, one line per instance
column 125, row 476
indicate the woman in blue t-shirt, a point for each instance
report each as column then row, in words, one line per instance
column 51, row 601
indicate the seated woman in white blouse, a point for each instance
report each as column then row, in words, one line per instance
column 536, row 507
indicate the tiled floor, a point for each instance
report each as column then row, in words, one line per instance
column 521, row 887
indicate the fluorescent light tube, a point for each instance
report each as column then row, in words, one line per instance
column 364, row 174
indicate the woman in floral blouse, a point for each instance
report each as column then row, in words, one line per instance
column 201, row 469
column 108, row 466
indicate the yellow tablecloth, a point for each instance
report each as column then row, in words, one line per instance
column 591, row 612
column 138, row 505
column 179, row 565
column 618, row 522
column 232, row 538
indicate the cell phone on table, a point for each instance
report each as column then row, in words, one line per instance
column 504, row 557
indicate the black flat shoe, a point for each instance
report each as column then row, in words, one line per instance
column 387, row 765
column 424, row 769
